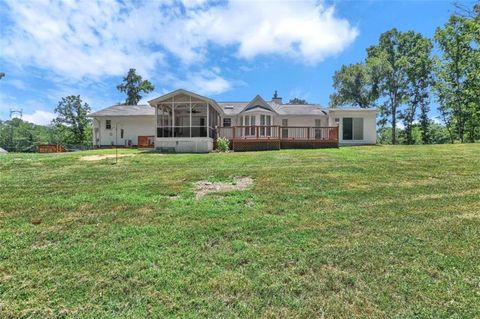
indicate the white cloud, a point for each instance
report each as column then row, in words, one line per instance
column 39, row 117
column 305, row 30
column 78, row 39
column 203, row 82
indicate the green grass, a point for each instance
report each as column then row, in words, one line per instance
column 352, row 232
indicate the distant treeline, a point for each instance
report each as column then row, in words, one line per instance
column 21, row 136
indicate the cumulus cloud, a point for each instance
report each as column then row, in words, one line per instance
column 78, row 39
column 39, row 117
column 203, row 82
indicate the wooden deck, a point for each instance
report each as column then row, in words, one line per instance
column 273, row 137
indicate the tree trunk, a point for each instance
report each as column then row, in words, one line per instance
column 394, row 125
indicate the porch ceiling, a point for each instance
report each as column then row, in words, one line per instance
column 184, row 96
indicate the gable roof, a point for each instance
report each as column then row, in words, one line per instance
column 125, row 110
column 259, row 103
column 225, row 108
column 188, row 93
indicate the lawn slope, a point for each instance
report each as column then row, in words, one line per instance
column 375, row 231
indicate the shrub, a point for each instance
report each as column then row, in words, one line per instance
column 223, row 144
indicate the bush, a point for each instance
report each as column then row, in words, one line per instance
column 223, row 144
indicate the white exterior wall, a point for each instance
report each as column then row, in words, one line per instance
column 369, row 125
column 185, row 144
column 133, row 126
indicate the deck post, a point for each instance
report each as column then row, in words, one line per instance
column 156, row 122
column 308, row 133
column 208, row 122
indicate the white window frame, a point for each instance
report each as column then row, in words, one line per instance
column 229, row 120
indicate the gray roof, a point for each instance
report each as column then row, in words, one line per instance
column 300, row 109
column 234, row 108
column 125, row 110
column 230, row 108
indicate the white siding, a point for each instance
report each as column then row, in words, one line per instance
column 133, row 127
column 369, row 125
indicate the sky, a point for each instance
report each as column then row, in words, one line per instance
column 226, row 50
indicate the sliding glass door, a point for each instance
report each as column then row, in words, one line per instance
column 352, row 129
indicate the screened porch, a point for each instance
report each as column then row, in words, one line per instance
column 186, row 116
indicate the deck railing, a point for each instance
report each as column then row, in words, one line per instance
column 275, row 132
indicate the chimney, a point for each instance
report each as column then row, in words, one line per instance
column 276, row 99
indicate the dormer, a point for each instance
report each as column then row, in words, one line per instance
column 258, row 104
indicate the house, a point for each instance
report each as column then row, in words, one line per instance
column 184, row 121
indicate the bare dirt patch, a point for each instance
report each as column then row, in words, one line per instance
column 202, row 188
column 101, row 157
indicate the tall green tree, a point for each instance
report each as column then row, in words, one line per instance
column 391, row 77
column 72, row 122
column 417, row 63
column 354, row 85
column 133, row 85
column 297, row 100
column 457, row 76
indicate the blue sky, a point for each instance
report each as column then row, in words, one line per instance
column 229, row 51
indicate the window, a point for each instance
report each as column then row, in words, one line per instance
column 121, row 133
column 108, row 124
column 249, row 121
column 265, row 120
column 284, row 128
column 227, row 122
column 352, row 128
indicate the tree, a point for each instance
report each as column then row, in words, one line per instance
column 354, row 85
column 2, row 74
column 297, row 100
column 457, row 76
column 72, row 122
column 391, row 79
column 133, row 85
column 417, row 62
column 21, row 136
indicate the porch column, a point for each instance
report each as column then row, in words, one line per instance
column 208, row 122
column 173, row 116
column 156, row 121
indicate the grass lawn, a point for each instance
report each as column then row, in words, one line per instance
column 361, row 232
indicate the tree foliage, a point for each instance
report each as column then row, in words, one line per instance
column 21, row 136
column 133, row 85
column 457, row 76
column 354, row 85
column 71, row 122
column 297, row 101
column 417, row 63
